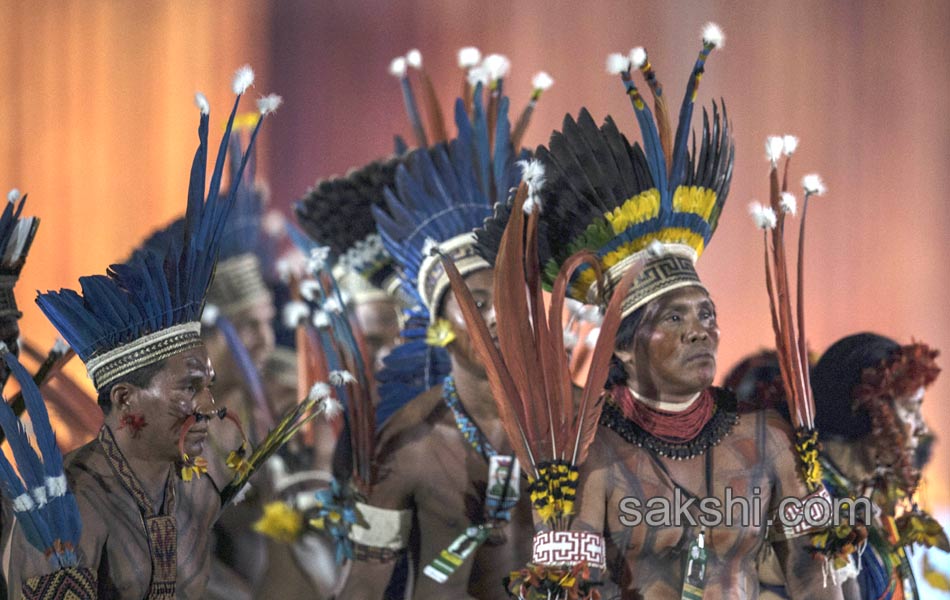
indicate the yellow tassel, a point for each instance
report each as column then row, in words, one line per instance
column 280, row 522
column 192, row 469
column 440, row 333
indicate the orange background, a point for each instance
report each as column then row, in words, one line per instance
column 97, row 123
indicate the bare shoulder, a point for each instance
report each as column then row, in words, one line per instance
column 412, row 422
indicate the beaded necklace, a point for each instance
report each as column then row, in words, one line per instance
column 469, row 429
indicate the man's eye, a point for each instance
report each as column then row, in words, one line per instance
column 673, row 318
column 480, row 304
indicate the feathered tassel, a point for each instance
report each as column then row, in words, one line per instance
column 433, row 108
column 41, row 500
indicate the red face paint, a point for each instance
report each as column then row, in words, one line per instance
column 134, row 423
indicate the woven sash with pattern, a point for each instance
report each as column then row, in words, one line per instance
column 160, row 528
column 74, row 583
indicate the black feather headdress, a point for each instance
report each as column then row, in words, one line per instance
column 16, row 237
column 619, row 200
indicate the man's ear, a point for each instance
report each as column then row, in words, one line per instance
column 123, row 395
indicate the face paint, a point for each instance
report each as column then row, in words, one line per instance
column 135, row 423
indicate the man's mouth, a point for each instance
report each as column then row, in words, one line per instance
column 702, row 356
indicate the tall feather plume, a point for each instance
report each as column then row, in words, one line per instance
column 164, row 282
column 433, row 108
column 399, row 68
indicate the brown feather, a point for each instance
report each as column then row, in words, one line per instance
column 433, row 110
column 504, row 391
column 591, row 403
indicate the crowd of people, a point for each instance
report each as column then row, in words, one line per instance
column 468, row 369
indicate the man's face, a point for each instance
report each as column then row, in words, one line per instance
column 175, row 393
column 379, row 323
column 675, row 347
column 255, row 327
column 480, row 283
column 907, row 409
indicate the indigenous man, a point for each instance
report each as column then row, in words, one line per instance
column 146, row 531
column 336, row 213
column 437, row 453
column 870, row 390
column 668, row 440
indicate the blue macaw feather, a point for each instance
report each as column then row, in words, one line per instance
column 680, row 149
column 654, row 153
column 164, row 282
column 399, row 145
column 502, row 157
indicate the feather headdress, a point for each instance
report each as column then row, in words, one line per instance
column 16, row 237
column 42, row 502
column 148, row 308
column 621, row 201
column 238, row 281
column 336, row 213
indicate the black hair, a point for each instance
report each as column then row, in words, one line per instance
column 140, row 378
column 626, row 334
column 836, row 375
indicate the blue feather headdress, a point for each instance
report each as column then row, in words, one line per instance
column 42, row 503
column 16, row 237
column 147, row 308
column 441, row 195
column 238, row 280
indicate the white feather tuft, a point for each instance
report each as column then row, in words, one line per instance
column 241, row 494
column 321, row 320
column 497, row 66
column 541, row 81
column 340, row 378
column 617, row 63
column 713, row 35
column 210, row 314
column 813, row 185
column 331, row 407
column 294, row 313
column 762, row 216
column 533, row 203
column 319, row 391
column 532, row 173
column 477, row 75
column 4, row 348
column 591, row 340
column 23, row 503
column 269, row 103
column 774, row 144
column 309, row 289
column 318, row 259
column 397, row 68
column 469, row 57
column 13, row 195
column 638, row 57
column 56, row 487
column 60, row 346
column 332, row 305
column 573, row 306
column 202, row 103
column 788, row 204
column 243, row 79
column 414, row 59
column 789, row 144
column 656, row 248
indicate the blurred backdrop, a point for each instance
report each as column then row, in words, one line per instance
column 97, row 124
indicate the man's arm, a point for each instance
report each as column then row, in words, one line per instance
column 368, row 577
column 804, row 577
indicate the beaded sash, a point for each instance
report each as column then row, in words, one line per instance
column 160, row 529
